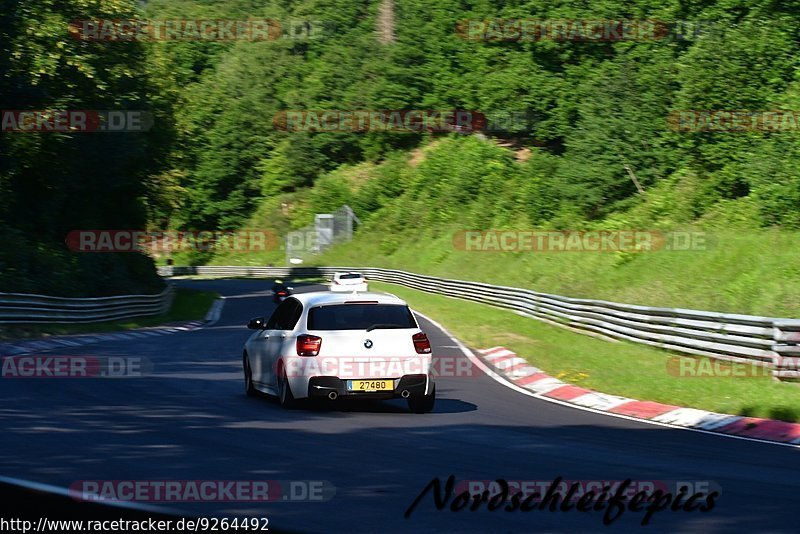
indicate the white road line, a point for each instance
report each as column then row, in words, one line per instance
column 511, row 362
column 601, row 401
column 522, row 373
column 545, row 385
column 694, row 417
column 492, row 356
column 65, row 492
column 215, row 312
column 483, row 367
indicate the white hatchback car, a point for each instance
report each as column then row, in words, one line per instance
column 327, row 345
column 348, row 282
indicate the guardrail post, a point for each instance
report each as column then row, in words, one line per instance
column 787, row 345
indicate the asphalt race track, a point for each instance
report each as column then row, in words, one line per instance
column 190, row 420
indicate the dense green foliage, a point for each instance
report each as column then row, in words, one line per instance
column 214, row 158
column 53, row 183
column 597, row 107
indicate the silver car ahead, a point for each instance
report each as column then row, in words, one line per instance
column 348, row 282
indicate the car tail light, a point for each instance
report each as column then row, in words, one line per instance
column 421, row 343
column 281, row 293
column 308, row 345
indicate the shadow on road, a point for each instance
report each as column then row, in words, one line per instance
column 443, row 406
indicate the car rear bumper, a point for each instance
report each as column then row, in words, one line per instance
column 404, row 387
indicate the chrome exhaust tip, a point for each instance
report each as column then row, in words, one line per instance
column 333, row 395
column 405, row 394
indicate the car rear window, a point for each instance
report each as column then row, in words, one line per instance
column 350, row 276
column 360, row 316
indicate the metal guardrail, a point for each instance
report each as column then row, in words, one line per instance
column 25, row 308
column 765, row 341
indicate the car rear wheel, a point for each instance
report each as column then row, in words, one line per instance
column 248, row 378
column 285, row 396
column 422, row 404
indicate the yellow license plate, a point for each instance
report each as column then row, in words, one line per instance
column 370, row 385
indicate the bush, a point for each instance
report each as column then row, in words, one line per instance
column 50, row 269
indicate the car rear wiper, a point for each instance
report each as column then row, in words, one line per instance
column 384, row 325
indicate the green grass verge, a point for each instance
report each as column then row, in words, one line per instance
column 623, row 368
column 187, row 305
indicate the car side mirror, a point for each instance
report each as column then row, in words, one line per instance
column 256, row 323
